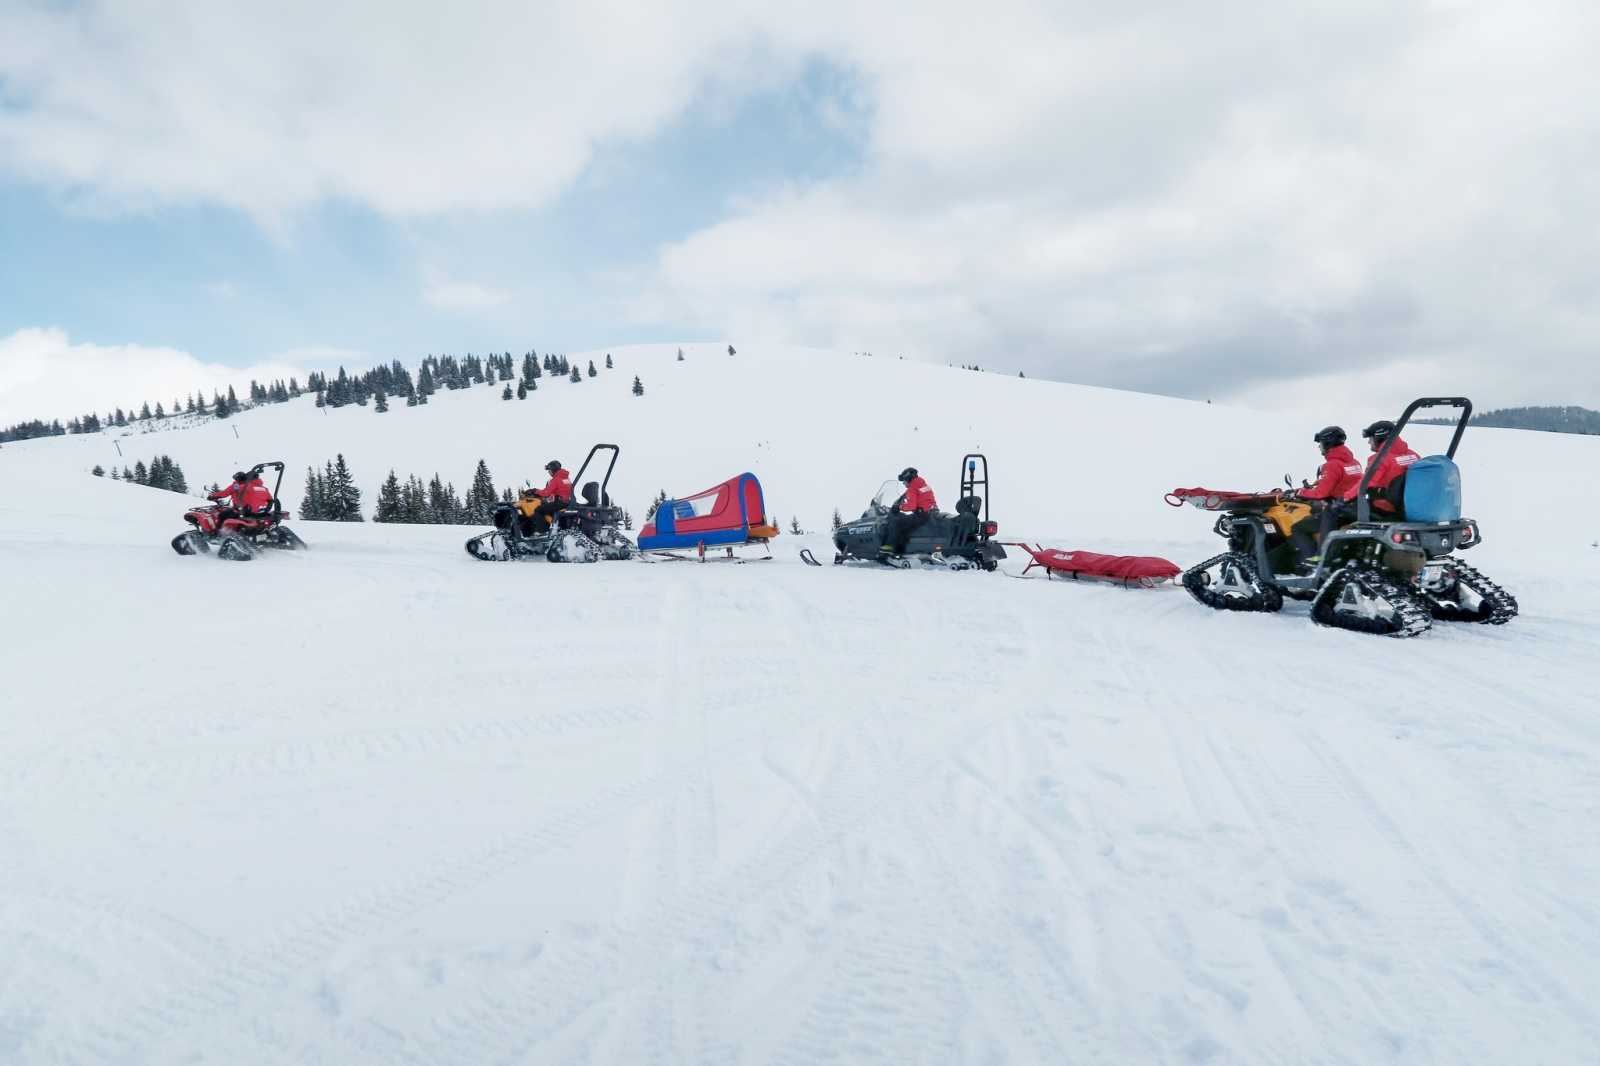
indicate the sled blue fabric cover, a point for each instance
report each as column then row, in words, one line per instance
column 1433, row 490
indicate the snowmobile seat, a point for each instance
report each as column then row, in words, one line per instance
column 592, row 496
column 965, row 520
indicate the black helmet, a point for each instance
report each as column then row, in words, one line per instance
column 1379, row 431
column 240, row 475
column 907, row 474
column 552, row 466
column 1329, row 436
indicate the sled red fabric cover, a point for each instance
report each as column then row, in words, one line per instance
column 1209, row 499
column 1130, row 568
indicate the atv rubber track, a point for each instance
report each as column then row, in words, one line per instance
column 1264, row 598
column 1411, row 615
column 1497, row 606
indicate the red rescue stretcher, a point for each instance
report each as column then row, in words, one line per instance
column 1133, row 571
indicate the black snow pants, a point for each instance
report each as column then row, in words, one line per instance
column 901, row 526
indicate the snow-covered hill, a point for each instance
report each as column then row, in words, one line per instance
column 378, row 802
column 824, row 429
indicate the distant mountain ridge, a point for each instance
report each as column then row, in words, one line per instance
column 1546, row 419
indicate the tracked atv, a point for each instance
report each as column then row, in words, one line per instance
column 960, row 541
column 586, row 531
column 1391, row 577
column 239, row 537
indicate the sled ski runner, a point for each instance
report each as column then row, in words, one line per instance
column 1392, row 574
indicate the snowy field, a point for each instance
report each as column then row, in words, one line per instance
column 381, row 803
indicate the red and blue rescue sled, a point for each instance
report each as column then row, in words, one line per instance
column 727, row 516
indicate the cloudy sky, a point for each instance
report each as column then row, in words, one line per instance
column 1257, row 201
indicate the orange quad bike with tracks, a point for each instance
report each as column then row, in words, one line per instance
column 239, row 537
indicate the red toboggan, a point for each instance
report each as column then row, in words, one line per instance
column 1134, row 571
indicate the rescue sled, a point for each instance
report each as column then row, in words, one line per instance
column 1132, row 571
column 728, row 516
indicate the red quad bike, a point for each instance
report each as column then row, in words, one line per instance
column 238, row 537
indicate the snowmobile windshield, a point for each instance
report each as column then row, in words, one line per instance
column 888, row 495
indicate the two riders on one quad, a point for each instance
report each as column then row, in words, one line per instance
column 1381, row 559
column 243, row 517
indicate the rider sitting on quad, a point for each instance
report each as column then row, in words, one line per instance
column 916, row 504
column 1386, row 486
column 1336, row 486
column 539, row 506
column 248, row 495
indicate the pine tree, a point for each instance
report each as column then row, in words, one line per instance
column 574, row 376
column 837, row 520
column 140, row 474
column 189, row 407
column 391, row 506
column 158, row 473
column 311, row 502
column 233, row 401
column 608, row 360
column 481, row 495
column 794, row 525
column 344, row 499
column 680, row 355
column 638, row 386
column 221, row 407
column 425, row 384
column 411, row 400
column 119, row 418
column 592, row 371
column 160, row 411
column 144, row 412
column 1020, row 374
column 116, row 475
column 522, row 390
column 731, row 352
column 99, row 471
column 380, row 402
column 627, row 520
column 505, row 393
column 176, row 482
column 127, row 475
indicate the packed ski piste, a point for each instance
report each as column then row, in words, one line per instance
column 1010, row 766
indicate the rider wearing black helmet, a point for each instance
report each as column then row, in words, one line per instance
column 912, row 510
column 539, row 506
column 1336, row 486
column 1386, row 486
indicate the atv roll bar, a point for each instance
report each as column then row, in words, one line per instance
column 1364, row 505
column 970, row 480
column 615, row 451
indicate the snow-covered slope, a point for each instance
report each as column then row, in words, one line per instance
column 379, row 802
column 824, row 429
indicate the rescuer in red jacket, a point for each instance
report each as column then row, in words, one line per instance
column 247, row 496
column 916, row 504
column 1336, row 486
column 1386, row 486
column 555, row 496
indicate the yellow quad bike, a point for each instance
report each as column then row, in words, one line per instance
column 1388, row 576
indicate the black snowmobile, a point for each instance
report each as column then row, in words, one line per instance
column 238, row 537
column 1391, row 577
column 585, row 531
column 959, row 541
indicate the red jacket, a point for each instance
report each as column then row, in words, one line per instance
column 1394, row 465
column 559, row 487
column 251, row 497
column 234, row 494
column 1339, row 478
column 918, row 497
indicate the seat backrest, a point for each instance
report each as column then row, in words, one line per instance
column 1433, row 490
column 591, row 493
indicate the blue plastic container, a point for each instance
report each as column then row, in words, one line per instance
column 1433, row 490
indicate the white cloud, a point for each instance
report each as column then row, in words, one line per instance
column 1202, row 199
column 463, row 295
column 43, row 374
